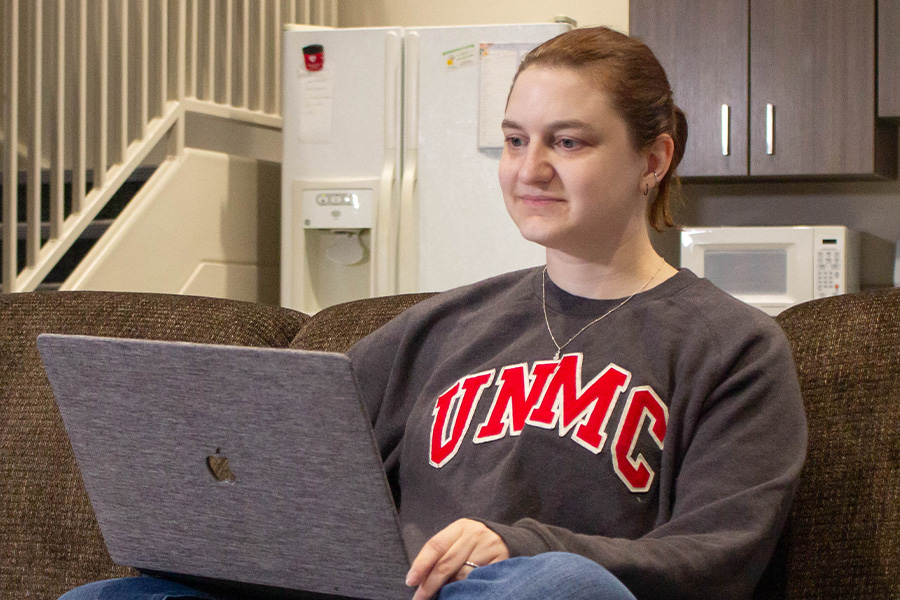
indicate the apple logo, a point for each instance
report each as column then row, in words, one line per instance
column 218, row 465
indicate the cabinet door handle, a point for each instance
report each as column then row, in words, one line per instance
column 770, row 129
column 726, row 126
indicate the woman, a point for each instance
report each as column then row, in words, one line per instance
column 603, row 427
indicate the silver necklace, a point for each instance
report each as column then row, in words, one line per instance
column 559, row 348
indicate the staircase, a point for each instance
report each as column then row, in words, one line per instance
column 85, row 110
column 89, row 236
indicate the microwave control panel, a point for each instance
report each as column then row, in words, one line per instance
column 836, row 250
column 829, row 275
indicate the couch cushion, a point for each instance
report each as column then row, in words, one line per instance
column 337, row 328
column 843, row 538
column 50, row 539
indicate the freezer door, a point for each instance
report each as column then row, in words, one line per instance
column 454, row 226
column 342, row 136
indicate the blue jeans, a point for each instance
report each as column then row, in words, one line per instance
column 542, row 577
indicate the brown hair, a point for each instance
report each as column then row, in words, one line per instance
column 627, row 70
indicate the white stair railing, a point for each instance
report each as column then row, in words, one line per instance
column 92, row 87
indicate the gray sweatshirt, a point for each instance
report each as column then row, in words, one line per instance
column 665, row 443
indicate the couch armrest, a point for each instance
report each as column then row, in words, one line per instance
column 843, row 537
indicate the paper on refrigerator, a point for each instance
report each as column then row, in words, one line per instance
column 499, row 63
column 316, row 106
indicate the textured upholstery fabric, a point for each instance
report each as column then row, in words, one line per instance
column 337, row 328
column 51, row 541
column 843, row 539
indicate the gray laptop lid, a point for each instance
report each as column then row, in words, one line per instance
column 309, row 507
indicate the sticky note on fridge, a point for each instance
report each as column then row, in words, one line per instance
column 316, row 105
column 498, row 66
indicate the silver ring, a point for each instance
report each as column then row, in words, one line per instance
column 469, row 563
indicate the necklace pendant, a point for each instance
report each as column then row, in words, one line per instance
column 597, row 320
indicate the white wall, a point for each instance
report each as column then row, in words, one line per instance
column 419, row 13
column 208, row 226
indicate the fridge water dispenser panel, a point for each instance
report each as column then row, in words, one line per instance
column 338, row 209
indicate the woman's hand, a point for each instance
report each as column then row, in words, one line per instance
column 443, row 558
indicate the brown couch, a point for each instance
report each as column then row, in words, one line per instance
column 843, row 540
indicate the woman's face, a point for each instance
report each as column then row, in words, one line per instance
column 571, row 178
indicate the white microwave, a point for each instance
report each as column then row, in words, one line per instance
column 774, row 268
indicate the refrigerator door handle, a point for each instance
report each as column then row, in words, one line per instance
column 383, row 279
column 408, row 238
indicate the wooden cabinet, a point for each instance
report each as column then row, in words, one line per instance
column 703, row 47
column 796, row 79
column 888, row 59
column 812, row 77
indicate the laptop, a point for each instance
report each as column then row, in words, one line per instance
column 251, row 471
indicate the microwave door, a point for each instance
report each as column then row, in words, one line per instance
column 770, row 276
column 798, row 279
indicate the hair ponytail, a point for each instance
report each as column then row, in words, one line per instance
column 658, row 211
column 679, row 136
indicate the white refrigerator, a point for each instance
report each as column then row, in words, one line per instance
column 391, row 147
